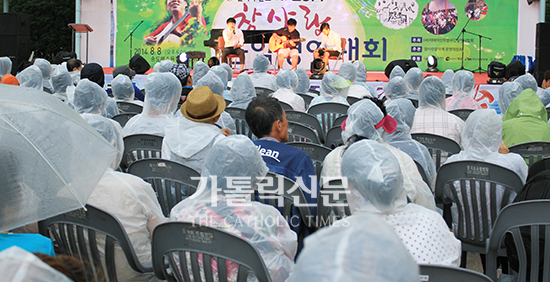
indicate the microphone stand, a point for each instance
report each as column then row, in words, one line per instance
column 131, row 37
column 462, row 34
column 479, row 69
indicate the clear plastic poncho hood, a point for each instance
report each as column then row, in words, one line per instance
column 165, row 65
column 18, row 265
column 229, row 71
column 447, row 79
column 163, row 93
column 111, row 131
column 222, row 75
column 333, row 84
column 432, row 93
column 122, row 87
column 5, row 66
column 89, row 97
column 402, row 110
column 287, row 79
column 260, row 64
column 396, row 88
column 362, row 117
column 303, row 81
column 507, row 93
column 527, row 81
column 61, row 79
column 200, row 70
column 397, row 71
column 212, row 81
column 242, row 91
column 482, row 133
column 348, row 71
column 361, row 72
column 463, row 83
column 45, row 67
column 413, row 78
column 31, row 77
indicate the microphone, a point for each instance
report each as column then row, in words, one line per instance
column 234, row 32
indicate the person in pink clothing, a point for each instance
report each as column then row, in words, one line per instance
column 463, row 92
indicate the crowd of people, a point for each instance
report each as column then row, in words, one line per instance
column 394, row 223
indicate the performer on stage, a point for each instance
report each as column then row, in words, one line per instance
column 234, row 40
column 331, row 44
column 290, row 50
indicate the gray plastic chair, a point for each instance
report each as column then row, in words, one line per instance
column 171, row 181
column 462, row 113
column 238, row 116
column 339, row 120
column 300, row 133
column 263, row 91
column 532, row 151
column 422, row 173
column 532, row 214
column 123, row 118
column 477, row 206
column 307, row 120
column 437, row 145
column 125, row 107
column 307, row 98
column 332, row 204
column 172, row 241
column 327, row 113
column 352, row 100
column 334, row 137
column 76, row 234
column 140, row 146
column 317, row 153
column 440, row 273
column 286, row 106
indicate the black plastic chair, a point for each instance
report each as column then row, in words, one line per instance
column 332, row 204
column 437, row 145
column 462, row 113
column 441, row 273
column 77, row 233
column 307, row 98
column 140, row 146
column 339, row 120
column 238, row 116
column 334, row 137
column 532, row 151
column 300, row 133
column 171, row 181
column 263, row 91
column 286, row 106
column 314, row 91
column 352, row 100
column 422, row 173
column 414, row 102
column 307, row 120
column 532, row 215
column 538, row 167
column 122, row 119
column 327, row 113
column 317, row 153
column 125, row 107
column 173, row 241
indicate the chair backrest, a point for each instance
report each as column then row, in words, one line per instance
column 462, row 113
column 339, row 120
column 437, row 145
column 422, row 173
column 77, row 233
column 221, row 43
column 171, row 181
column 317, row 153
column 238, row 116
column 122, row 119
column 140, row 146
column 532, row 151
column 334, row 137
column 343, row 44
column 533, row 216
column 440, row 273
column 314, row 91
column 332, row 204
column 180, row 243
column 327, row 113
column 300, row 133
column 414, row 102
column 307, row 98
column 352, row 100
column 473, row 187
column 263, row 91
column 286, row 106
column 125, row 107
column 307, row 120
column 538, row 167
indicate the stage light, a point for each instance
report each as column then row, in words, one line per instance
column 432, row 64
column 318, row 69
column 182, row 59
column 496, row 72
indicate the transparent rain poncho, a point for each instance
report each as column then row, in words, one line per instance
column 163, row 92
column 229, row 71
column 303, row 81
column 463, row 92
column 31, row 77
column 18, row 265
column 287, row 81
column 260, row 77
column 216, row 85
column 397, row 71
column 376, row 185
column 527, row 81
column 165, row 65
column 242, row 91
column 61, row 79
column 110, row 130
column 414, row 78
column 447, row 79
column 89, row 97
column 432, row 93
column 111, row 108
column 348, row 71
column 506, row 94
column 396, row 88
column 200, row 70
column 237, row 156
column 46, row 69
column 357, row 248
column 334, row 88
column 402, row 110
column 222, row 75
column 359, row 88
column 123, row 89
column 5, row 66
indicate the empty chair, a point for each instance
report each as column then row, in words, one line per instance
column 238, row 116
column 327, row 113
column 532, row 151
column 440, row 273
column 126, row 107
column 122, row 119
column 301, row 133
column 440, row 147
column 334, row 137
column 462, row 113
column 140, row 146
column 317, row 153
column 307, row 120
column 171, row 181
column 90, row 234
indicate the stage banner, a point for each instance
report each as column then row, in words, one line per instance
column 376, row 32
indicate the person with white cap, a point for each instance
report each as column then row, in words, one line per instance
column 359, row 88
column 260, row 77
column 334, row 89
column 287, row 81
column 94, row 73
column 89, row 98
column 463, row 92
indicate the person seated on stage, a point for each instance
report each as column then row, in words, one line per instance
column 184, row 76
column 242, row 92
column 334, row 88
column 123, row 90
column 222, row 75
column 331, row 44
column 46, row 69
column 177, row 10
column 287, row 81
column 234, row 40
column 463, row 92
column 292, row 37
column 396, row 88
column 61, row 79
column 74, row 66
column 200, row 70
column 359, row 88
column 5, row 66
column 94, row 72
column 397, row 71
column 447, row 79
column 414, row 78
column 216, row 86
column 260, row 77
column 375, row 181
column 129, row 73
column 189, row 138
column 213, row 61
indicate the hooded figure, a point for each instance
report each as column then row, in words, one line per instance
column 303, row 81
column 18, row 265
column 397, row 71
column 527, row 81
column 123, row 90
column 359, row 88
column 236, row 156
column 165, row 65
column 163, row 93
column 396, row 88
column 46, row 69
column 402, row 110
column 260, row 77
column 463, row 92
column 229, row 71
column 216, row 85
column 525, row 120
column 447, row 79
column 31, row 77
column 334, row 88
column 61, row 79
column 242, row 91
column 414, row 78
column 375, row 181
column 200, row 70
column 366, row 121
column 89, row 98
column 94, row 72
column 222, row 75
column 431, row 117
column 287, row 81
column 5, row 66
column 130, row 199
column 506, row 94
column 357, row 248
column 481, row 139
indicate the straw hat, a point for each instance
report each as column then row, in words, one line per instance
column 202, row 104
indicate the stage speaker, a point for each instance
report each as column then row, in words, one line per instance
column 15, row 23
column 16, row 47
column 542, row 51
column 139, row 64
column 404, row 64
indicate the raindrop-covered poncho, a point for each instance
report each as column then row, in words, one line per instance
column 165, row 66
column 334, row 88
column 376, row 185
column 463, row 92
column 61, row 79
column 222, row 75
column 397, row 71
column 414, row 78
column 46, row 69
column 237, row 156
column 359, row 88
column 242, row 91
column 200, row 70
column 287, row 82
column 5, row 66
column 123, row 89
column 89, row 97
column 216, row 85
column 447, row 79
column 396, row 88
column 94, row 73
column 303, row 81
column 260, row 77
column 507, row 93
column 163, row 92
column 30, row 77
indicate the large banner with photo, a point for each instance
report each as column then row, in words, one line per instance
column 376, row 32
